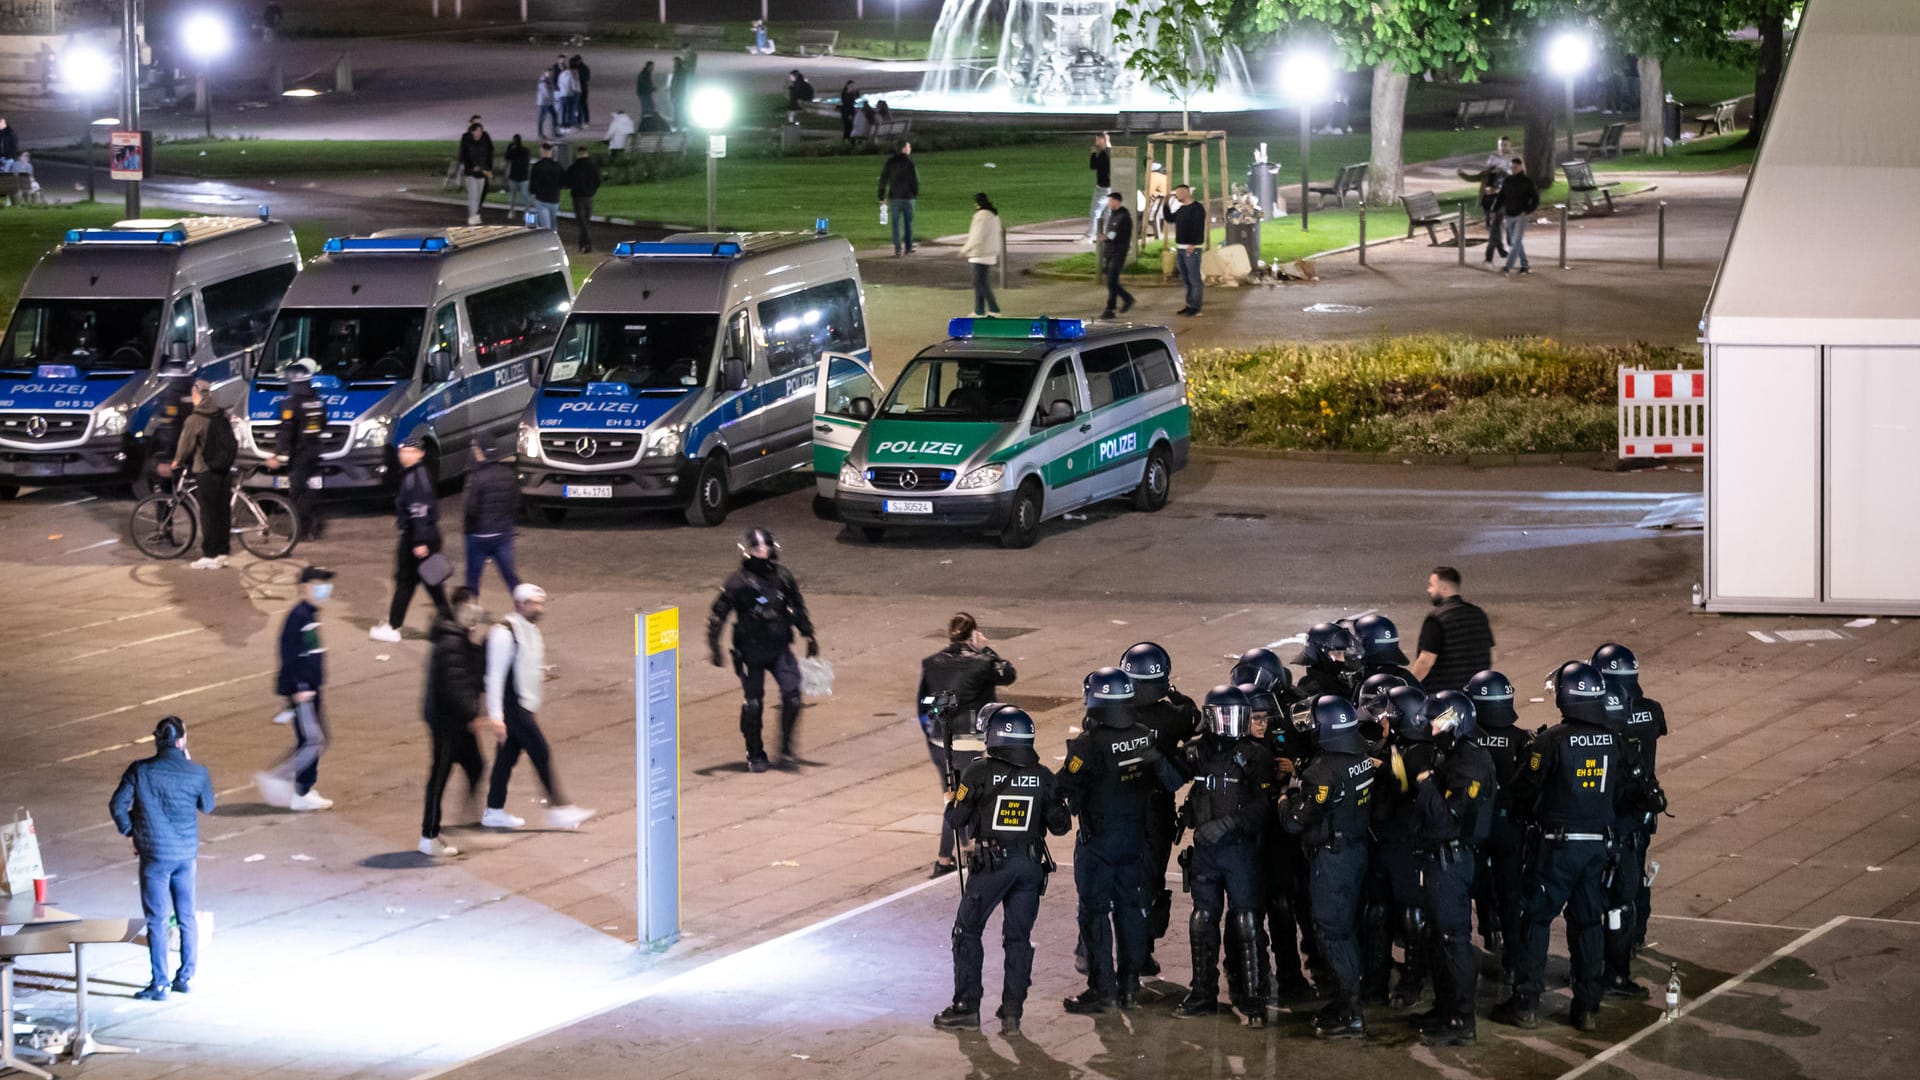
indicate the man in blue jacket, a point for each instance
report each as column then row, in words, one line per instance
column 416, row 516
column 158, row 804
column 303, row 669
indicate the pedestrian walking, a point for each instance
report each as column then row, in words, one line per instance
column 848, row 97
column 986, row 237
column 566, row 92
column 516, row 674
column 1456, row 641
column 583, row 76
column 417, row 561
column 643, row 88
column 583, row 179
column 1116, row 227
column 303, row 672
column 1519, row 198
column 799, row 95
column 9, row 146
column 493, row 498
column 544, row 181
column 965, row 673
column 899, row 186
column 296, row 445
column 681, row 85
column 208, row 445
column 1100, row 161
column 519, row 161
column 620, row 129
column 456, row 674
column 1491, row 177
column 158, row 804
column 476, row 164
column 547, row 107
column 1189, row 220
column 765, row 602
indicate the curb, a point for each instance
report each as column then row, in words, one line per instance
column 1593, row 459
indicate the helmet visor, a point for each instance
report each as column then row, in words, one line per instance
column 1229, row 720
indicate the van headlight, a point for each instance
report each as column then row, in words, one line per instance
column 110, row 422
column 851, row 477
column 986, row 476
column 529, row 441
column 372, row 433
column 667, row 441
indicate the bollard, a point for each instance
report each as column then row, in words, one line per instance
column 343, row 74
column 1363, row 232
column 276, row 80
column 1562, row 207
column 1660, row 252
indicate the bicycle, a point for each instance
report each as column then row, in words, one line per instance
column 165, row 524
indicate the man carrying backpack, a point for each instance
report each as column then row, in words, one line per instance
column 208, row 444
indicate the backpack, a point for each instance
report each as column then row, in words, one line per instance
column 221, row 449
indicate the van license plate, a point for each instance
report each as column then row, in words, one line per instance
column 908, row 506
column 587, row 491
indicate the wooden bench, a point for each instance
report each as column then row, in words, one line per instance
column 1580, row 182
column 1608, row 144
column 1482, row 109
column 694, row 34
column 1424, row 211
column 1131, row 120
column 657, row 142
column 814, row 42
column 1352, row 178
column 884, row 132
column 1721, row 120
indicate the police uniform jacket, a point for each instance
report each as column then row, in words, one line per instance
column 1333, row 802
column 1232, row 782
column 1109, row 778
column 1646, row 724
column 765, row 601
column 1008, row 808
column 1174, row 719
column 303, row 417
column 1576, row 779
column 1456, row 800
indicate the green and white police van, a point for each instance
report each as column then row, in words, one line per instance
column 1005, row 424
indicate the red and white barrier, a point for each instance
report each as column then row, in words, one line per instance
column 1663, row 413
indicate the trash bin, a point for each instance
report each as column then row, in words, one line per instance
column 1670, row 119
column 1247, row 235
column 1263, row 180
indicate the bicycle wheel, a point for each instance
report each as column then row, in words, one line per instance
column 266, row 523
column 164, row 526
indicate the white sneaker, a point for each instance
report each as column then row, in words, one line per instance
column 500, row 819
column 204, row 563
column 284, row 716
column 219, row 562
column 473, row 219
column 274, row 790
column 383, row 632
column 567, row 817
column 437, row 848
column 312, row 800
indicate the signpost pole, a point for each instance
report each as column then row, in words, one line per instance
column 656, row 732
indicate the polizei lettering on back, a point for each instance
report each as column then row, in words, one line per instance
column 1590, row 740
column 908, row 446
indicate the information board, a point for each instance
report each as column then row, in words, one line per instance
column 656, row 727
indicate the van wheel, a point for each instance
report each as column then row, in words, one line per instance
column 708, row 506
column 873, row 533
column 1023, row 521
column 1156, row 484
column 824, row 509
column 553, row 515
column 9, row 492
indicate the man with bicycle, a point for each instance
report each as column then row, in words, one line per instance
column 207, row 442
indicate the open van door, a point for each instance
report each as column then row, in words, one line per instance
column 844, row 398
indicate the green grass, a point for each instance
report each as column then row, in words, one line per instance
column 1702, row 82
column 234, row 159
column 1695, row 155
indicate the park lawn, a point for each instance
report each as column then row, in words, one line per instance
column 1703, row 82
column 1695, row 155
column 234, row 159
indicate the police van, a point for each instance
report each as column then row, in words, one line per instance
column 428, row 331
column 686, row 372
column 79, row 367
column 1007, row 423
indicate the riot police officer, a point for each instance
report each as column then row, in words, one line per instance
column 1110, row 771
column 1628, row 894
column 1576, row 783
column 765, row 602
column 1005, row 802
column 1332, row 659
column 1227, row 807
column 1380, row 652
column 1455, row 810
column 1393, row 898
column 1499, row 884
column 296, row 445
column 1328, row 809
column 1374, row 710
column 1174, row 719
column 1284, row 924
column 170, row 414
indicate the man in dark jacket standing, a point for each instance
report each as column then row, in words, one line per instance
column 581, row 112
column 158, row 804
column 493, row 496
column 456, row 671
column 969, row 669
column 899, row 186
column 583, row 179
column 417, row 518
column 643, row 89
column 1519, row 198
column 476, row 164
column 303, row 670
column 765, row 602
column 1116, row 230
column 799, row 95
column 1189, row 220
column 519, row 163
column 544, row 181
column 208, row 445
column 296, row 445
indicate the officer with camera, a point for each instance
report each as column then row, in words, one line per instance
column 955, row 684
column 765, row 602
column 1328, row 808
column 1174, row 720
column 1331, row 656
column 1455, row 800
column 1629, row 893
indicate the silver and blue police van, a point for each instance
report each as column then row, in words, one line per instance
column 686, row 372
column 430, row 331
column 79, row 367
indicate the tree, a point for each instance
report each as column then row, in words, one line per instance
column 1770, row 18
column 1653, row 31
column 1174, row 44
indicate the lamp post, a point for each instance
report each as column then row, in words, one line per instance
column 130, row 92
column 1305, row 77
column 1568, row 54
column 85, row 72
column 711, row 109
column 206, row 37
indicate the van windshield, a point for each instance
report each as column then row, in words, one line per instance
column 93, row 335
column 987, row 389
column 646, row 352
column 351, row 344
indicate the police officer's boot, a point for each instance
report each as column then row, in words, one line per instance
column 789, row 720
column 1451, row 1031
column 1088, row 1002
column 958, row 1016
column 1413, row 976
column 1203, row 993
column 1250, row 959
column 1340, row 1020
column 750, row 730
column 1129, row 994
column 1582, row 1017
column 1376, row 959
column 1514, row 1011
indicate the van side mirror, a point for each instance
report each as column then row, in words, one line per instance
column 1059, row 411
column 861, row 408
column 249, row 363
column 440, row 365
column 733, row 373
column 179, row 351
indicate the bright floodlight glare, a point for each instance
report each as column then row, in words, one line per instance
column 206, row 36
column 1569, row 53
column 1305, row 75
column 85, row 71
column 711, row 107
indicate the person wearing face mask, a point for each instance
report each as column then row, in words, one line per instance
column 516, row 669
column 456, row 671
column 302, row 673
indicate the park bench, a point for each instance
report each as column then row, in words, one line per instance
column 1721, row 120
column 1132, row 120
column 814, row 42
column 1424, row 211
column 1580, row 182
column 694, row 35
column 561, row 32
column 1482, row 109
column 884, row 132
column 1352, row 178
column 657, row 142
column 1608, row 144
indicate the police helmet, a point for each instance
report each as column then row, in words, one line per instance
column 759, row 536
column 1108, row 687
column 1227, row 711
column 1451, row 716
column 1617, row 662
column 1266, row 706
column 1336, row 726
column 1492, row 695
column 1580, row 693
column 300, row 372
column 1372, row 697
column 1263, row 662
column 1407, row 714
column 1009, row 733
column 1379, row 639
column 1150, row 668
column 1616, row 702
column 1324, row 640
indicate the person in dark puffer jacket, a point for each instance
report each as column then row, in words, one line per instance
column 493, row 498
column 452, row 708
column 158, row 804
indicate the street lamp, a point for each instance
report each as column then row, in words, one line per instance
column 1568, row 54
column 206, row 37
column 85, row 72
column 1306, row 76
column 711, row 109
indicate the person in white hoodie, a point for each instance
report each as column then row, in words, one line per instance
column 985, row 235
column 516, row 669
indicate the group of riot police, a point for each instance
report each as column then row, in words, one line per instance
column 1331, row 819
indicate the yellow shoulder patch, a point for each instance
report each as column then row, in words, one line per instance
column 961, row 795
column 1074, row 763
column 1534, row 764
column 1473, row 789
column 286, row 414
column 1320, row 794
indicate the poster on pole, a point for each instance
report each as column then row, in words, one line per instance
column 656, row 727
column 127, row 154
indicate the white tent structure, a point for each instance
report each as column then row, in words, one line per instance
column 1813, row 334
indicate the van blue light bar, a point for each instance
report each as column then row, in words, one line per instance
column 1044, row 328
column 127, row 236
column 406, row 244
column 643, row 249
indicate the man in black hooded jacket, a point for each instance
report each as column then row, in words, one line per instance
column 765, row 602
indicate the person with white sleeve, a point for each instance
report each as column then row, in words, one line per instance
column 516, row 670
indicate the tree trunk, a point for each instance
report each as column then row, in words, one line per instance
column 1546, row 102
column 1766, row 75
column 1653, row 108
column 1385, row 174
